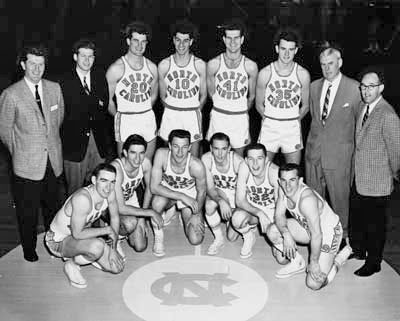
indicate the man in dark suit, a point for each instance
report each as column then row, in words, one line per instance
column 85, row 132
column 334, row 100
column 31, row 113
column 377, row 162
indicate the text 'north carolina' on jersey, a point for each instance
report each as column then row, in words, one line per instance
column 282, row 95
column 178, row 182
column 130, row 184
column 225, row 181
column 231, row 87
column 261, row 195
column 133, row 90
column 183, row 84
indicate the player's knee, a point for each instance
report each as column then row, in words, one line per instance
column 140, row 244
column 210, row 207
column 313, row 284
column 96, row 249
column 239, row 219
column 195, row 238
column 157, row 204
column 273, row 233
column 128, row 225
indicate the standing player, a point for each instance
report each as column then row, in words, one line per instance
column 313, row 223
column 222, row 166
column 133, row 168
column 282, row 87
column 133, row 80
column 231, row 82
column 179, row 178
column 183, row 89
column 256, row 191
column 72, row 236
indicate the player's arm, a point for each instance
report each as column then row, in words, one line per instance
column 114, row 217
column 163, row 68
column 211, row 189
column 197, row 170
column 154, row 82
column 201, row 69
column 212, row 68
column 7, row 119
column 263, row 77
column 252, row 72
column 113, row 75
column 304, row 78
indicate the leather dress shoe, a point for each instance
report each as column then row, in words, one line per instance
column 31, row 256
column 357, row 256
column 368, row 270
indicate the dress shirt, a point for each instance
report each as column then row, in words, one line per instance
column 335, row 85
column 32, row 88
column 81, row 75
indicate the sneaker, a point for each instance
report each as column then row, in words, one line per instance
column 158, row 246
column 296, row 266
column 249, row 239
column 73, row 273
column 215, row 246
column 120, row 250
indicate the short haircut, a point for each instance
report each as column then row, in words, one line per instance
column 185, row 27
column 37, row 49
column 139, row 27
column 290, row 167
column 83, row 43
column 178, row 133
column 378, row 70
column 220, row 136
column 329, row 49
column 234, row 24
column 256, row 146
column 104, row 167
column 134, row 140
column 289, row 34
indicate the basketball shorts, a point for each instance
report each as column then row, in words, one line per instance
column 283, row 134
column 268, row 211
column 192, row 192
column 53, row 246
column 189, row 120
column 331, row 237
column 235, row 126
column 129, row 124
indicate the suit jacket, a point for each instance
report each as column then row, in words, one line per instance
column 30, row 138
column 333, row 144
column 377, row 156
column 85, row 113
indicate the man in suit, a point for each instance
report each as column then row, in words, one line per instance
column 334, row 100
column 31, row 113
column 377, row 163
column 85, row 133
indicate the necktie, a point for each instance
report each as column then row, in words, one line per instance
column 365, row 116
column 38, row 101
column 85, row 86
column 324, row 114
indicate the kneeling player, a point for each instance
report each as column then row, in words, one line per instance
column 313, row 223
column 132, row 169
column 222, row 166
column 256, row 191
column 179, row 178
column 72, row 236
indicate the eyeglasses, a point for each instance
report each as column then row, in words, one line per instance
column 368, row 87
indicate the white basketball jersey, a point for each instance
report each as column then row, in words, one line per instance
column 282, row 95
column 178, row 182
column 183, row 84
column 226, row 181
column 262, row 195
column 133, row 90
column 129, row 184
column 231, row 87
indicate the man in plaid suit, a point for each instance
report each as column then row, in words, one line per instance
column 31, row 113
column 377, row 162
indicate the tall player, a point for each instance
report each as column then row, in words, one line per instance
column 282, row 87
column 178, row 178
column 134, row 169
column 183, row 89
column 256, row 192
column 133, row 80
column 231, row 83
column 222, row 166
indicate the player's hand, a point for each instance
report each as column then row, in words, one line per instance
column 315, row 271
column 190, row 202
column 115, row 260
column 157, row 220
column 289, row 246
column 197, row 224
column 225, row 209
column 264, row 221
column 112, row 235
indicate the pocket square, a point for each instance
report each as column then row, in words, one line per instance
column 346, row 105
column 54, row 107
column 101, row 104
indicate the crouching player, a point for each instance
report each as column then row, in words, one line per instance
column 71, row 235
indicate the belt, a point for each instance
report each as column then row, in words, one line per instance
column 134, row 112
column 227, row 112
column 282, row 119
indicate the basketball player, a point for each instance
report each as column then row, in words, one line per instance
column 133, row 168
column 133, row 80
column 231, row 83
column 71, row 235
column 313, row 222
column 222, row 166
column 256, row 191
column 183, row 89
column 282, row 87
column 178, row 178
